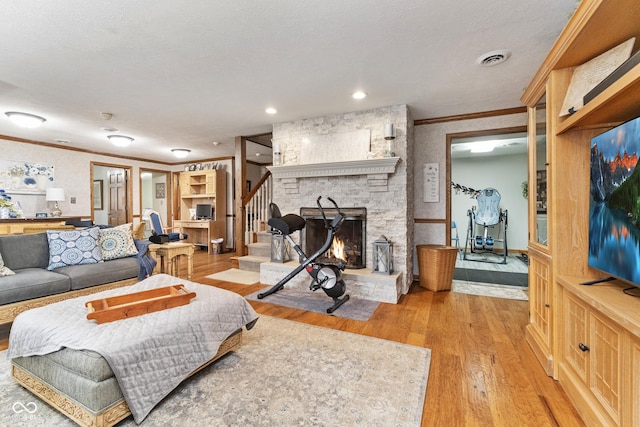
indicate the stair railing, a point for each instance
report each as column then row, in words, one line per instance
column 256, row 205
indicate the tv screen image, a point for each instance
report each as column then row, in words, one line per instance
column 614, row 208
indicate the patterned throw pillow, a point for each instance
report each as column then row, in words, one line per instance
column 117, row 242
column 73, row 247
column 4, row 270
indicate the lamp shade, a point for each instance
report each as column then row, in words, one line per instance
column 25, row 120
column 55, row 194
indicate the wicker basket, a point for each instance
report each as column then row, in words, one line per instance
column 436, row 264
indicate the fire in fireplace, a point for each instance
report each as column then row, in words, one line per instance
column 349, row 244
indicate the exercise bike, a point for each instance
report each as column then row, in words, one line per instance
column 327, row 277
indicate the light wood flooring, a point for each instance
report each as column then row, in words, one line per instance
column 482, row 373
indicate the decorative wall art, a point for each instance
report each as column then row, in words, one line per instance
column 160, row 190
column 431, row 183
column 19, row 177
column 98, row 188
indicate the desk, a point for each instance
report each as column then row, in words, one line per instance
column 201, row 232
column 169, row 253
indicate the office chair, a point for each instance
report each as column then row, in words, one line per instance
column 157, row 228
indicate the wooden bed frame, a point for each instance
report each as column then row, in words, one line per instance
column 111, row 415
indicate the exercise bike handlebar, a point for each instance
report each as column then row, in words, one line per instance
column 337, row 220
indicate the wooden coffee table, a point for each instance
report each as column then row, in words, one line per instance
column 167, row 256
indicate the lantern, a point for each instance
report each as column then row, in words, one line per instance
column 382, row 256
column 279, row 249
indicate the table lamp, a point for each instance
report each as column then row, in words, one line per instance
column 55, row 195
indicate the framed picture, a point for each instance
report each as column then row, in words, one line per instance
column 160, row 190
column 98, row 189
column 248, row 186
column 41, row 214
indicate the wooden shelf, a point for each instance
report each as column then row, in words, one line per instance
column 616, row 104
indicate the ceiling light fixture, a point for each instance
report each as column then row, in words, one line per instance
column 180, row 153
column 25, row 120
column 120, row 140
column 215, row 143
column 359, row 95
column 271, row 110
column 483, row 147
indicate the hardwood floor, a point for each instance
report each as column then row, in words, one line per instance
column 482, row 372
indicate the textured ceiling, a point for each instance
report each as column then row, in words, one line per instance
column 184, row 74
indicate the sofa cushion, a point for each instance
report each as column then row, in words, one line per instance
column 73, row 247
column 117, row 242
column 25, row 251
column 4, row 270
column 87, row 275
column 30, row 283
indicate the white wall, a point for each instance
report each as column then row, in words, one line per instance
column 504, row 173
column 73, row 173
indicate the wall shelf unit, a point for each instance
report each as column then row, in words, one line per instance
column 203, row 187
column 586, row 337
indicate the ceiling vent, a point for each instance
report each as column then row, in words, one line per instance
column 496, row 57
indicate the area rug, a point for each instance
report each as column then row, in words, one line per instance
column 236, row 276
column 285, row 374
column 494, row 277
column 318, row 302
column 489, row 290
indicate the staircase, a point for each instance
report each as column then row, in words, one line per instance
column 259, row 252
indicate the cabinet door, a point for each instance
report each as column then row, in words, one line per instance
column 633, row 411
column 540, row 296
column 211, row 184
column 576, row 336
column 606, row 361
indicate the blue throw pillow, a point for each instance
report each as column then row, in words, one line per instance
column 73, row 247
column 117, row 242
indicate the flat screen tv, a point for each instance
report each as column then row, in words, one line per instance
column 204, row 211
column 614, row 208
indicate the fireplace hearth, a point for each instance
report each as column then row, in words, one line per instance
column 352, row 234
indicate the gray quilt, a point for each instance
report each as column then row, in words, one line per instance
column 150, row 354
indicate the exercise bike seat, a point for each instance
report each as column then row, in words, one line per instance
column 290, row 223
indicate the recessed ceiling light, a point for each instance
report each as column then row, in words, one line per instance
column 495, row 57
column 216, row 143
column 359, row 95
column 25, row 120
column 61, row 141
column 271, row 110
column 109, row 129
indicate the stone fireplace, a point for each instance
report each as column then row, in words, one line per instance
column 380, row 185
column 351, row 236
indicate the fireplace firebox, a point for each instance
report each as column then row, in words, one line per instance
column 351, row 237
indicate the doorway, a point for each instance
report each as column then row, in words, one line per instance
column 490, row 159
column 111, row 194
column 155, row 194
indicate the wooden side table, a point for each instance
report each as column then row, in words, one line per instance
column 169, row 254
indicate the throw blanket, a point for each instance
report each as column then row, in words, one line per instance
column 146, row 261
column 150, row 355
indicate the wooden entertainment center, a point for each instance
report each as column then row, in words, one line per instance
column 587, row 337
column 203, row 187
